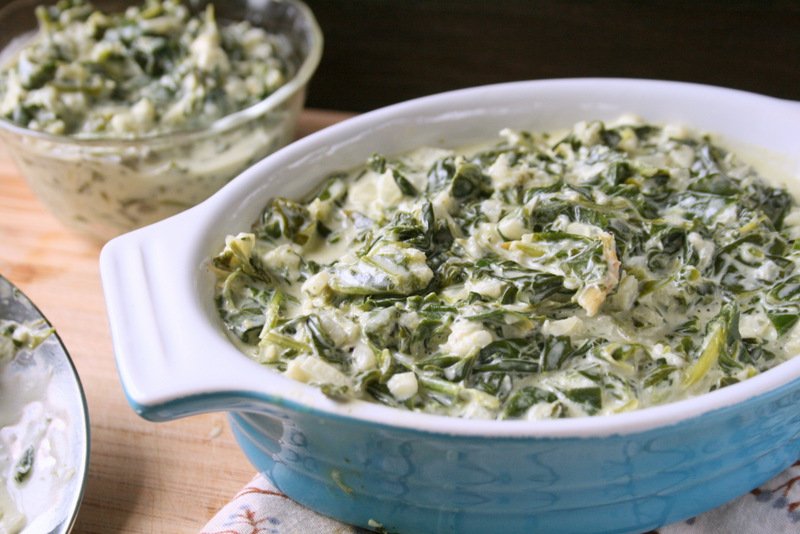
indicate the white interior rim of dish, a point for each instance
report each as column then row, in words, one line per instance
column 234, row 203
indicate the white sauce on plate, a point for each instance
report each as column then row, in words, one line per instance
column 34, row 469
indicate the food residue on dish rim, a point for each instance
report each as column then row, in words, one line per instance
column 33, row 429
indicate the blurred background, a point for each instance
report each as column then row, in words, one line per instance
column 378, row 52
column 383, row 51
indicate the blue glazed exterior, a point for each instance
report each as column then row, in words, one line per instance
column 418, row 482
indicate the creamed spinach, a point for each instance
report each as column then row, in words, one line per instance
column 151, row 69
column 614, row 267
column 156, row 88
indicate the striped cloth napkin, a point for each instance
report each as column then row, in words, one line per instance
column 260, row 508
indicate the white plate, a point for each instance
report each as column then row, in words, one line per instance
column 46, row 378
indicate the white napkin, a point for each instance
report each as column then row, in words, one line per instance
column 260, row 508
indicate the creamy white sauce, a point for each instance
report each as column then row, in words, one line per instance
column 31, row 419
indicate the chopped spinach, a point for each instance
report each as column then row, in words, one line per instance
column 24, row 466
column 617, row 268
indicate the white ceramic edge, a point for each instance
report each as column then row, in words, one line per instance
column 166, row 314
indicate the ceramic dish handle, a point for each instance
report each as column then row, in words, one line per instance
column 167, row 343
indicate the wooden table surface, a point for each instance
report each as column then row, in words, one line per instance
column 143, row 477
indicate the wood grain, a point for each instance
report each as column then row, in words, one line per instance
column 143, row 477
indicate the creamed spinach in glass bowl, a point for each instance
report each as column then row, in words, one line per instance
column 121, row 115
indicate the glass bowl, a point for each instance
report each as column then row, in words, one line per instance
column 105, row 187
